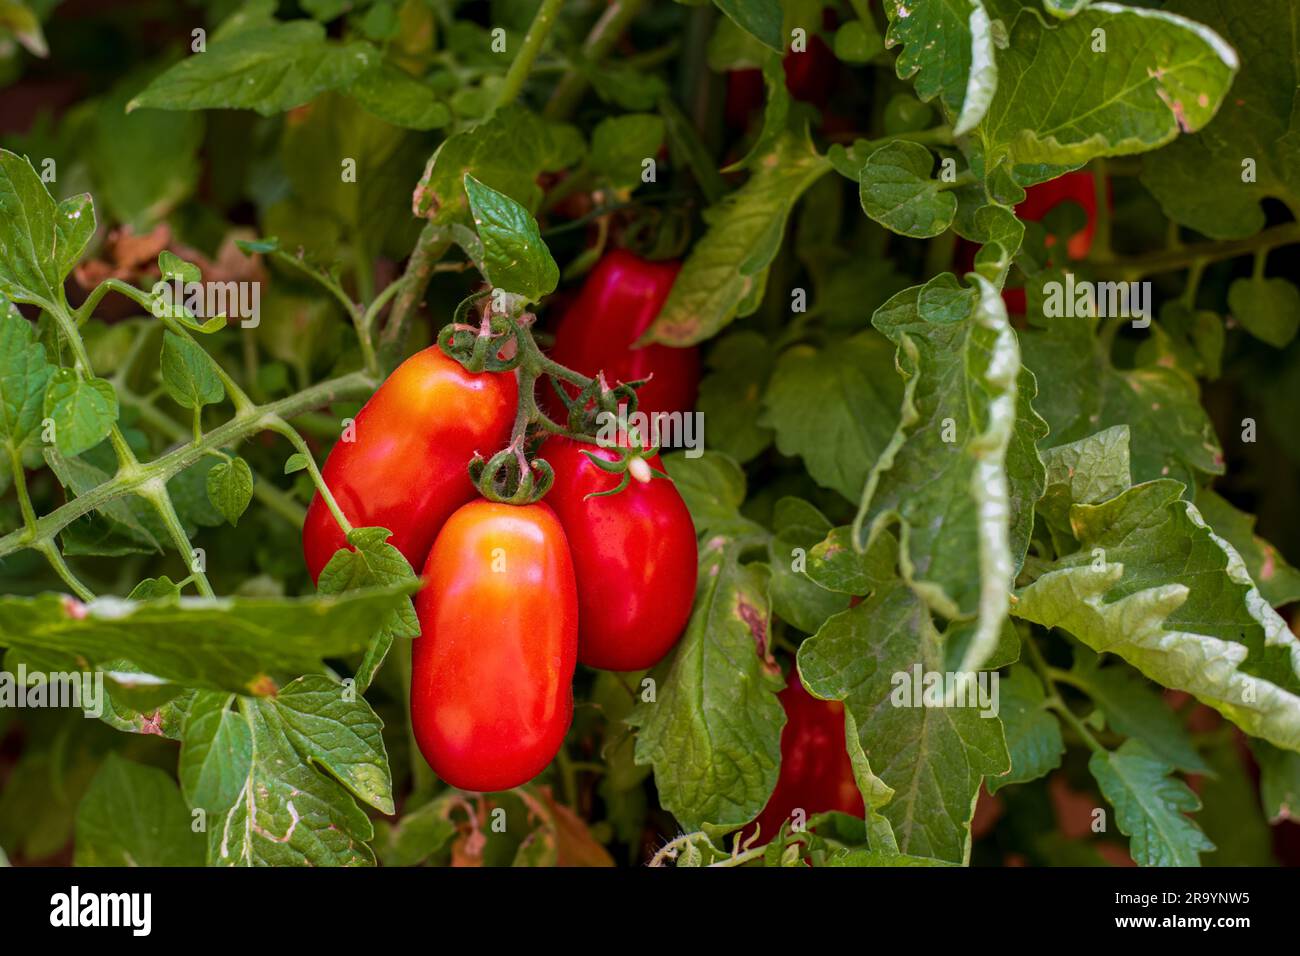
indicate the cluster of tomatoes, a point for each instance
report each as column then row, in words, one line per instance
column 515, row 595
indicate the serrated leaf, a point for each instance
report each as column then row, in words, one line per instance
column 933, row 758
column 133, row 815
column 838, row 566
column 1150, row 806
column 713, row 487
column 1061, row 101
column 1153, row 584
column 948, row 52
column 372, row 562
column 835, row 407
column 234, row 644
column 713, row 733
column 620, row 144
column 216, row 752
column 84, row 411
column 310, row 749
column 731, row 395
column 1200, row 181
column 961, row 474
column 417, row 836
column 40, row 241
column 230, row 488
column 187, row 373
column 1276, row 579
column 271, row 69
column 1032, row 731
column 896, row 191
column 1170, row 433
column 726, row 272
column 515, row 258
column 1086, row 471
column 1268, row 309
column 796, row 597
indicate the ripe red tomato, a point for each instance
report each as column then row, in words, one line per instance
column 406, row 469
column 492, row 669
column 634, row 555
column 816, row 773
column 618, row 301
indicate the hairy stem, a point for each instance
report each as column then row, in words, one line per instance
column 538, row 31
column 609, row 26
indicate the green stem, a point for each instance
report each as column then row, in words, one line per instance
column 429, row 248
column 279, row 425
column 132, row 479
column 1054, row 699
column 422, row 776
column 609, row 26
column 155, row 492
column 538, row 31
column 1182, row 257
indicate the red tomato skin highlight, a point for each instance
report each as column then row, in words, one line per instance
column 407, row 469
column 634, row 555
column 492, row 669
column 816, row 772
column 619, row 299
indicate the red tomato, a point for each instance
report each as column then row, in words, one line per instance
column 634, row 555
column 618, row 301
column 810, row 76
column 816, row 773
column 406, row 469
column 492, row 669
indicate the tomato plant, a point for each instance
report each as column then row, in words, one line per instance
column 543, row 433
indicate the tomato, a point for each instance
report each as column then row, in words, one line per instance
column 406, row 470
column 492, row 669
column 810, row 76
column 816, row 773
column 634, row 555
column 619, row 300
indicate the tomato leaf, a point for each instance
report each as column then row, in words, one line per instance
column 1033, row 733
column 230, row 488
column 133, row 815
column 40, row 240
column 83, row 411
column 515, row 258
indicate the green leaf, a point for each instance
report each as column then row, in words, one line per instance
column 933, row 758
column 1135, row 709
column 1087, row 471
column 514, row 256
column 188, row 374
column 713, row 487
column 310, row 748
column 396, row 97
column 216, row 752
column 1154, row 585
column 835, row 407
column 837, row 566
column 1032, row 731
column 507, row 151
column 373, row 562
column 1171, row 435
column 896, row 191
column 1230, row 814
column 271, row 69
column 796, row 597
column 18, row 18
column 948, row 48
column 1150, row 806
column 620, row 144
column 241, row 645
column 731, row 395
column 84, row 411
column 40, row 241
column 761, row 19
column 24, row 375
column 1256, row 123
column 417, row 836
column 1269, row 309
column 1276, row 579
column 726, row 272
column 1059, row 101
column 133, row 815
column 230, row 488
column 295, row 462
column 172, row 267
column 713, row 733
column 962, row 473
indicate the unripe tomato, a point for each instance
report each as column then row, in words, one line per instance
column 492, row 669
column 406, row 470
column 634, row 555
column 618, row 301
column 816, row 772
